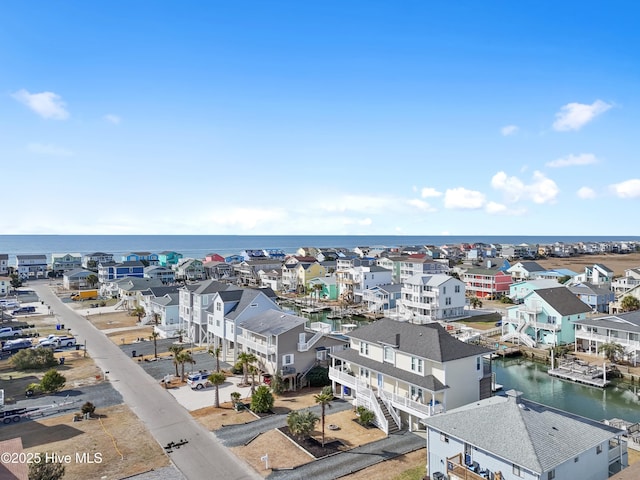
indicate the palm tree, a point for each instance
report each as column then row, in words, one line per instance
column 154, row 336
column 184, row 357
column 324, row 398
column 217, row 379
column 216, row 353
column 175, row 350
column 629, row 303
column 92, row 280
column 253, row 370
column 247, row 359
column 138, row 312
column 301, row 423
column 611, row 350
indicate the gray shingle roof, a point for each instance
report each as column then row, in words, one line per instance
column 430, row 341
column 526, row 433
column 563, row 301
column 271, row 322
column 626, row 322
column 532, row 266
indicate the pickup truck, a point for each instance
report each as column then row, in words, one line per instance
column 56, row 342
column 199, row 380
column 9, row 332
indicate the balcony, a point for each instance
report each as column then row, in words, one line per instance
column 260, row 347
column 584, row 335
column 342, row 377
column 456, row 470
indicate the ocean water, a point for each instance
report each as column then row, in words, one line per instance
column 197, row 246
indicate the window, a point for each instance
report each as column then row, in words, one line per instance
column 517, row 471
column 364, row 373
column 478, row 363
column 457, row 289
column 389, row 355
column 287, row 359
column 444, row 438
column 417, row 364
column 416, row 393
column 599, row 449
column 551, row 475
column 364, row 348
column 217, row 322
column 218, row 306
column 444, row 290
column 447, row 301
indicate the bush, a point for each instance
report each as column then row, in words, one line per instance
column 52, row 381
column 88, row 407
column 318, row 377
column 237, row 368
column 34, row 359
column 277, row 384
column 262, row 400
column 365, row 416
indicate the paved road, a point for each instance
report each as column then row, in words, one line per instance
column 164, row 417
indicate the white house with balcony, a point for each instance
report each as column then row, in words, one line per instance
column 195, row 299
column 596, row 274
column 511, row 438
column 546, row 316
column 427, row 298
column 353, row 281
column 406, row 372
column 282, row 344
column 622, row 328
column 227, row 308
column 630, row 280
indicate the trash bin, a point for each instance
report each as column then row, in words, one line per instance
column 133, row 353
column 62, row 326
column 77, row 347
column 61, row 359
column 58, row 327
column 438, row 476
column 346, row 390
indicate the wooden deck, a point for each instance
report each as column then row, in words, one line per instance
column 580, row 372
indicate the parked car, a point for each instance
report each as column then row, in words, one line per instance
column 24, row 310
column 199, row 380
column 8, row 332
column 9, row 303
column 15, row 345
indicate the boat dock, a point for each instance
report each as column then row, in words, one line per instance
column 580, row 372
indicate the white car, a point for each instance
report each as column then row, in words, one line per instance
column 199, row 380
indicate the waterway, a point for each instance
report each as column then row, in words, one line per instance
column 619, row 400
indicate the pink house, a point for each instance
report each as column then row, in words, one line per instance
column 487, row 282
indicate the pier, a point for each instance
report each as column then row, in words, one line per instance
column 580, row 372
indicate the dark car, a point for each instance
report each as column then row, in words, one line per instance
column 22, row 310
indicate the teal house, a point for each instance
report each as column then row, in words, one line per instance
column 546, row 316
column 329, row 289
column 167, row 258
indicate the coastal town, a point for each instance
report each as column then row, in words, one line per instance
column 253, row 347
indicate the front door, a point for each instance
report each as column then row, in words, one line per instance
column 379, row 381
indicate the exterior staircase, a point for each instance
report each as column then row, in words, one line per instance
column 393, row 427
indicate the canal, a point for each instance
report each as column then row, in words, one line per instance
column 619, row 400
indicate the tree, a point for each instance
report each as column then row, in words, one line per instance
column 184, row 357
column 33, row 359
column 180, row 333
column 277, row 384
column 154, row 336
column 138, row 312
column 52, row 381
column 246, row 359
column 324, row 398
column 216, row 353
column 175, row 350
column 45, row 469
column 611, row 350
column 16, row 281
column 262, row 400
column 629, row 303
column 235, row 399
column 217, row 379
column 92, row 280
column 301, row 423
column 253, row 370
column 88, row 407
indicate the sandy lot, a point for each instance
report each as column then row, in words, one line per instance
column 116, row 442
column 617, row 263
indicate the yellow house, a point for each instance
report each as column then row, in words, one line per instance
column 307, row 271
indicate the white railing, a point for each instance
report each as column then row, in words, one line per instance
column 583, row 335
column 405, row 403
column 522, row 337
column 367, row 399
column 387, row 402
column 342, row 377
column 257, row 346
column 303, row 347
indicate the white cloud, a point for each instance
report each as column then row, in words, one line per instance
column 540, row 190
column 45, row 104
column 574, row 116
column 509, row 130
column 586, row 193
column 493, row 207
column 356, row 203
column 461, row 198
column 111, row 118
column 627, row 189
column 245, row 218
column 573, row 160
column 420, row 205
column 49, row 149
column 428, row 192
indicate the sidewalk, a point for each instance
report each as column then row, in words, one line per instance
column 195, row 399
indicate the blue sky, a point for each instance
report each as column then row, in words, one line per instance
column 319, row 117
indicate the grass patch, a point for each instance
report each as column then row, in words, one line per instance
column 415, row 473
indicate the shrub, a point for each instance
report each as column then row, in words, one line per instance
column 45, row 469
column 262, row 400
column 88, row 407
column 34, row 359
column 365, row 416
column 277, row 384
column 52, row 381
column 237, row 368
column 318, row 377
